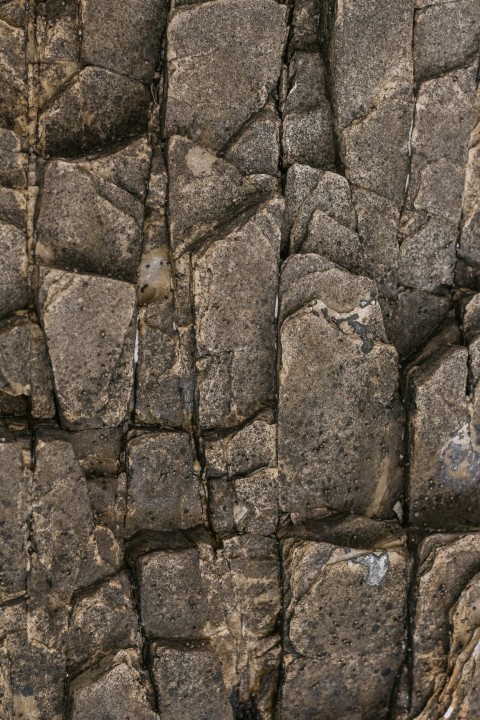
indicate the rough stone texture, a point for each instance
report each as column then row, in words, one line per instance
column 345, row 622
column 235, row 285
column 239, row 360
column 208, row 61
column 163, row 489
column 93, row 372
column 333, row 345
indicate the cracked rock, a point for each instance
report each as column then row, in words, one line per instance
column 206, row 192
column 235, row 286
column 173, row 594
column 89, row 327
column 163, row 490
column 333, row 344
column 222, row 48
column 444, row 463
column 190, row 684
column 124, row 38
column 115, row 105
column 344, row 629
column 102, row 621
column 447, row 563
column 107, row 240
column 115, row 691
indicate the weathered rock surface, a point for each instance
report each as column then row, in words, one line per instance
column 345, row 621
column 163, row 488
column 93, row 371
column 219, row 49
column 239, row 360
column 235, row 285
column 333, row 346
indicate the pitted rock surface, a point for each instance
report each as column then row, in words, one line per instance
column 239, row 360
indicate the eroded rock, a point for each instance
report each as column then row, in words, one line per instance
column 164, row 489
column 345, row 629
column 333, row 346
column 219, row 49
column 89, row 324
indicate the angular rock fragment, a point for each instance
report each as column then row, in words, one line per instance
column 97, row 451
column 70, row 551
column 163, row 489
column 117, row 107
column 444, row 465
column 103, row 621
column 108, row 238
column 221, row 49
column 333, row 345
column 190, row 684
column 173, row 594
column 344, row 629
column 13, row 84
column 124, row 38
column 15, row 479
column 321, row 217
column 307, row 123
column 205, row 192
column 371, row 68
column 440, row 139
column 447, row 564
column 89, row 327
column 25, row 382
column 235, row 286
column 256, row 149
column 112, row 691
column 13, row 269
column 446, row 35
column 413, row 318
column 247, row 504
column 251, row 448
column 58, row 39
column 376, row 149
column 377, row 224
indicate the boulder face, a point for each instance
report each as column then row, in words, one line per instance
column 239, row 360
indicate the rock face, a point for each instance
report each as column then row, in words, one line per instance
column 239, row 360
